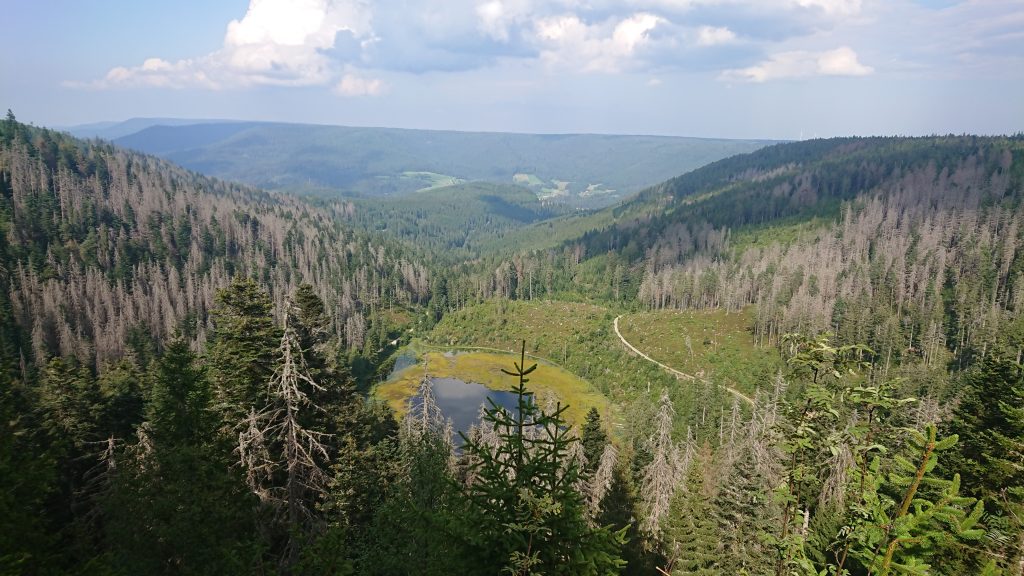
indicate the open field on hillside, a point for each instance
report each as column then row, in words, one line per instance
column 714, row 345
column 581, row 339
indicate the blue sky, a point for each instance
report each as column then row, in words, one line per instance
column 716, row 68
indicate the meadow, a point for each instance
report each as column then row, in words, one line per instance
column 715, row 345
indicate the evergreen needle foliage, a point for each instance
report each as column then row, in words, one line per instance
column 530, row 517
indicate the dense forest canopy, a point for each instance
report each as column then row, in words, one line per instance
column 579, row 170
column 830, row 380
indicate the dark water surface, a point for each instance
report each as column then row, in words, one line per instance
column 461, row 400
column 457, row 399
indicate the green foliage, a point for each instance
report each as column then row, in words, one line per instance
column 242, row 355
column 179, row 402
column 111, row 460
column 28, row 475
column 529, row 515
column 594, row 439
column 990, row 455
column 714, row 344
column 694, row 541
column 380, row 161
column 580, row 338
column 422, row 527
column 178, row 509
column 745, row 512
column 453, row 223
column 898, row 512
column 173, row 505
column 902, row 533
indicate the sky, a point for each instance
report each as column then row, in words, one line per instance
column 779, row 69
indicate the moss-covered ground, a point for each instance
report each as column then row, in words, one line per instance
column 485, row 368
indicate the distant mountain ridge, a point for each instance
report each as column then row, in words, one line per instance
column 582, row 170
column 112, row 130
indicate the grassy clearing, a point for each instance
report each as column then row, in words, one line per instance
column 785, row 233
column 431, row 180
column 527, row 180
column 580, row 338
column 485, row 368
column 720, row 350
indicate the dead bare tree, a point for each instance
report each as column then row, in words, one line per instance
column 662, row 475
column 285, row 461
column 601, row 482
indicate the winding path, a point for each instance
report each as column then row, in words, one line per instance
column 677, row 373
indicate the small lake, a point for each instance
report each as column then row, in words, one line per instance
column 461, row 401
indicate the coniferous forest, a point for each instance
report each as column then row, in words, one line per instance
column 809, row 360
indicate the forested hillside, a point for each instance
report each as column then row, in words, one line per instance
column 106, row 249
column 589, row 170
column 808, row 361
column 453, row 222
column 911, row 246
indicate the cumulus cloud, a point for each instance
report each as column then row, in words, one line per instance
column 353, row 85
column 796, row 64
column 277, row 42
column 713, row 35
column 609, row 46
column 335, row 43
column 832, row 7
column 497, row 17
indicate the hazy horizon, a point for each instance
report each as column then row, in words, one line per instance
column 779, row 70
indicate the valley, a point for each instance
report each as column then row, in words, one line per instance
column 752, row 351
column 578, row 170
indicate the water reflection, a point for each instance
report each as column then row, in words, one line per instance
column 461, row 400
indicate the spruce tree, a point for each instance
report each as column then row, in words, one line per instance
column 927, row 511
column 28, row 477
column 744, row 511
column 242, row 354
column 691, row 536
column 177, row 411
column 174, row 504
column 594, row 439
column 421, row 528
column 990, row 455
column 530, row 517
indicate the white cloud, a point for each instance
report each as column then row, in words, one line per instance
column 495, row 18
column 633, row 31
column 832, row 7
column 492, row 19
column 316, row 42
column 610, row 46
column 353, row 85
column 712, row 35
column 839, row 62
column 277, row 42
